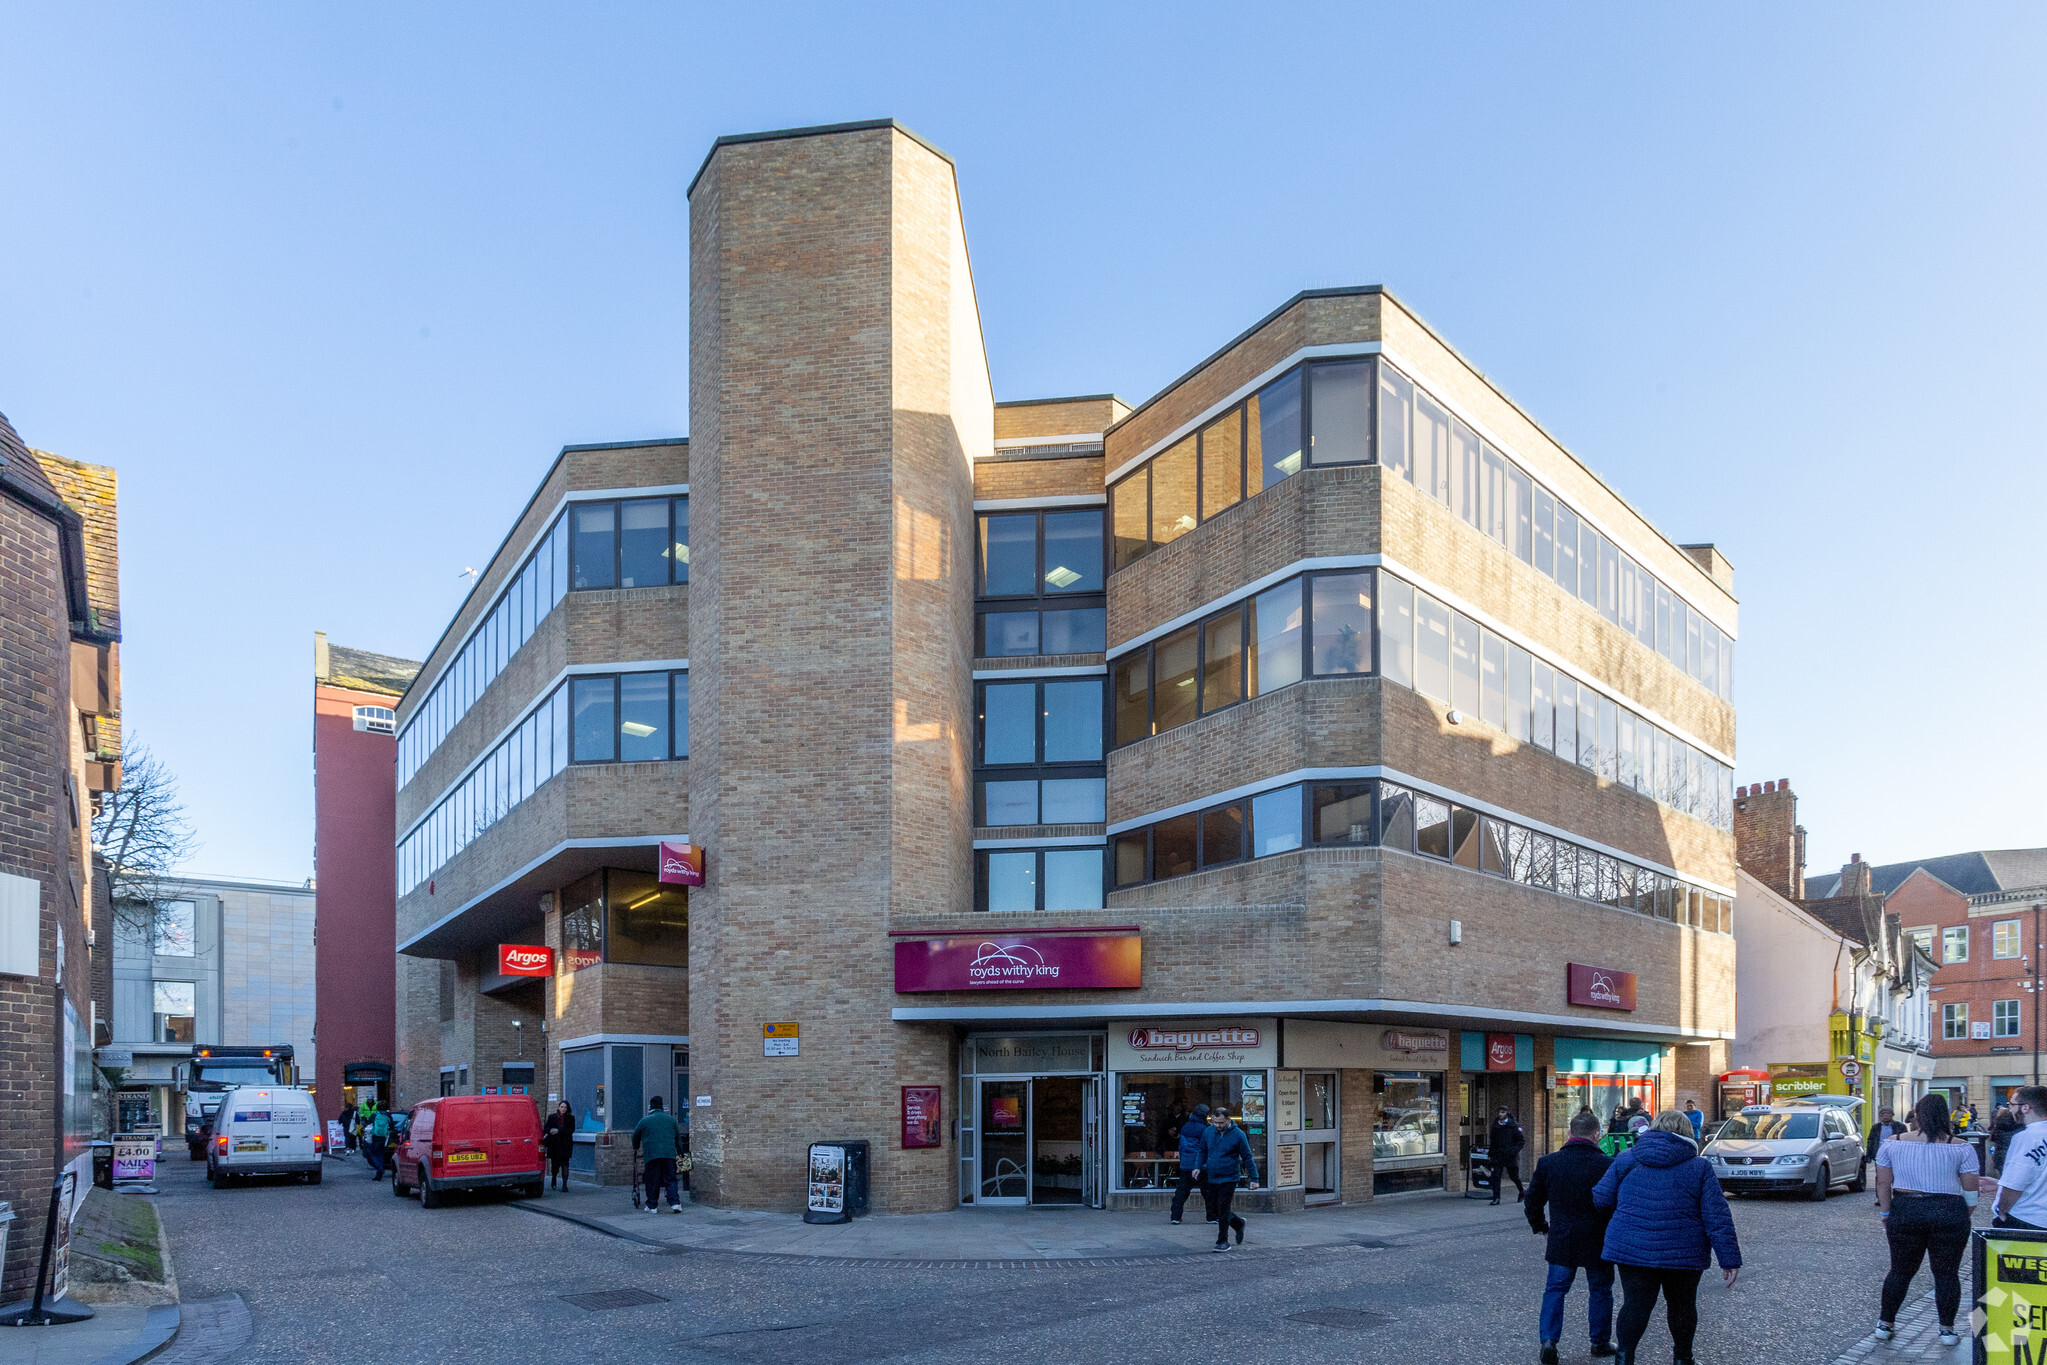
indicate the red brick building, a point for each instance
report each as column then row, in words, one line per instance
column 1979, row 916
column 59, row 694
column 355, row 792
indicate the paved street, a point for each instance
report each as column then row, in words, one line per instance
column 327, row 1271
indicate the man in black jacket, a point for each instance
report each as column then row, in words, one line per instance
column 1503, row 1149
column 1191, row 1134
column 1559, row 1203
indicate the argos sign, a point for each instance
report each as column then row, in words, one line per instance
column 525, row 959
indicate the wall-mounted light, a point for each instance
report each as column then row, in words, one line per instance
column 1456, row 932
column 1454, row 716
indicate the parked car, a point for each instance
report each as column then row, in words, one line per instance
column 1771, row 1148
column 469, row 1142
column 265, row 1130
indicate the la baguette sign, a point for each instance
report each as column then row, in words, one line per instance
column 525, row 959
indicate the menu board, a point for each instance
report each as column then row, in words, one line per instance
column 1286, row 1101
column 1286, row 1165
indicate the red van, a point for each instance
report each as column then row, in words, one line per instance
column 468, row 1142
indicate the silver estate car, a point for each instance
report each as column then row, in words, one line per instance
column 1768, row 1148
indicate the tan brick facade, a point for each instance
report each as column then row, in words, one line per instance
column 842, row 430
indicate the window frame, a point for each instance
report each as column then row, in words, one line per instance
column 2001, row 930
column 1950, row 935
column 1999, row 1016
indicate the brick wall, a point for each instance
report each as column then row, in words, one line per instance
column 1769, row 842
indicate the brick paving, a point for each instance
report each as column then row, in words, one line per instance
column 1918, row 1338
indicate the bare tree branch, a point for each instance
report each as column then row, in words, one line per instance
column 143, row 833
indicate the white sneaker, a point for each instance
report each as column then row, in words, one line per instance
column 1884, row 1331
column 1950, row 1338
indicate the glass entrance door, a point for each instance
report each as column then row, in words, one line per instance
column 1057, row 1139
column 1321, row 1163
column 1005, row 1143
column 1091, row 1142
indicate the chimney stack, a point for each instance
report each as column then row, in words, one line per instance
column 1769, row 843
column 1855, row 879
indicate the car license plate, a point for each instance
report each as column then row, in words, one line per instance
column 250, row 1147
column 468, row 1156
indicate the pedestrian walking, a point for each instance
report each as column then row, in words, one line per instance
column 1559, row 1203
column 1925, row 1185
column 558, row 1138
column 661, row 1136
column 1225, row 1156
column 2021, row 1192
column 1669, row 1221
column 1698, row 1120
column 2004, row 1126
column 347, row 1118
column 1191, row 1133
column 379, row 1143
column 1503, row 1150
column 1883, row 1130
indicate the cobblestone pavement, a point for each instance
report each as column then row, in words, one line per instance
column 344, row 1272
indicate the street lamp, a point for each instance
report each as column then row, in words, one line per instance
column 520, row 1025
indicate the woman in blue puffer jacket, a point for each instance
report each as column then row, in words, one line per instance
column 1669, row 1220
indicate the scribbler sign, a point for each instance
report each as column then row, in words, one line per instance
column 1020, row 962
column 1602, row 988
column 525, row 959
column 682, row 864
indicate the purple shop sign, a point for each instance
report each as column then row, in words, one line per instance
column 1020, row 962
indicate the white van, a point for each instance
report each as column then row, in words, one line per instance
column 265, row 1130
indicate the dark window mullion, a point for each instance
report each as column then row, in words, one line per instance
column 1307, row 624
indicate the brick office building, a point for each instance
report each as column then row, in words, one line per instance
column 1978, row 916
column 1317, row 737
column 60, row 628
column 355, row 797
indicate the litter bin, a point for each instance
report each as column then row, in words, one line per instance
column 836, row 1187
column 103, row 1165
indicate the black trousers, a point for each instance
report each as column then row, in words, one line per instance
column 558, row 1169
column 1190, row 1181
column 1217, row 1194
column 1511, row 1170
column 1920, row 1226
column 1680, row 1289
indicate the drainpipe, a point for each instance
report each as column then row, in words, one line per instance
column 2036, row 992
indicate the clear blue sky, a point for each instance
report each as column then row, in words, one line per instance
column 331, row 285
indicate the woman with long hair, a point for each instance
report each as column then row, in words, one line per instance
column 1669, row 1221
column 559, row 1139
column 1925, row 1181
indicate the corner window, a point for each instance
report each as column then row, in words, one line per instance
column 593, row 544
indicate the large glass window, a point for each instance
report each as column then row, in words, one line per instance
column 647, row 921
column 645, row 543
column 1009, row 554
column 1073, row 551
column 1073, row 721
column 1396, row 631
column 1275, row 822
column 593, row 550
column 1274, row 430
column 1222, row 463
column 1176, row 675
column 176, row 1007
column 1009, row 723
column 1155, row 1107
column 1340, row 410
column 2004, row 938
column 1276, row 638
column 1173, row 493
column 595, row 704
column 1407, row 1114
column 643, row 717
column 1342, row 616
column 174, row 929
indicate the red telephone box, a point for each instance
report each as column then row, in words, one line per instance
column 1744, row 1087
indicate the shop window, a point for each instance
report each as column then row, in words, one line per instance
column 1155, row 1106
column 646, row 920
column 1407, row 1114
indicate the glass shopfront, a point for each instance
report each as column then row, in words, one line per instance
column 1153, row 1108
column 1030, row 1121
column 1605, row 1076
column 1407, row 1123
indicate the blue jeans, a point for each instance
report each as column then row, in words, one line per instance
column 1598, row 1283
